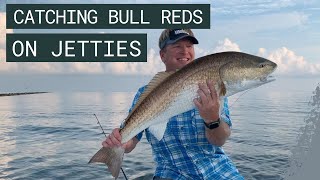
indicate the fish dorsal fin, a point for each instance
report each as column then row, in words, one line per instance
column 156, row 80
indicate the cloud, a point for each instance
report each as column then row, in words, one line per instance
column 289, row 63
column 223, row 45
column 31, row 67
column 3, row 30
column 226, row 45
column 199, row 52
column 151, row 67
column 86, row 67
column 2, row 55
column 3, row 65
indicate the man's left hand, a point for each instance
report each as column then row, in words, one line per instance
column 208, row 101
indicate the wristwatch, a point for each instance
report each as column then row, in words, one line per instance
column 213, row 124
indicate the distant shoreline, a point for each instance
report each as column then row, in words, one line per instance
column 18, row 94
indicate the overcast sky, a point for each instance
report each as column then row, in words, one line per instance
column 284, row 31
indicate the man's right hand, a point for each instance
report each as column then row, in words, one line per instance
column 114, row 140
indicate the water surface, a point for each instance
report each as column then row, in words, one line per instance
column 53, row 136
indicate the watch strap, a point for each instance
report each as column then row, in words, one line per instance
column 213, row 124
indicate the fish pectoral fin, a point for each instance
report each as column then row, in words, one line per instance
column 112, row 157
column 222, row 89
column 158, row 130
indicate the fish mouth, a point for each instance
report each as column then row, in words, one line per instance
column 267, row 79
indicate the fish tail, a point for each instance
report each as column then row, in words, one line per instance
column 112, row 157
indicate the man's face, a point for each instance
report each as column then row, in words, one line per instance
column 177, row 55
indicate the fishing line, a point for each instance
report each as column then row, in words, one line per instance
column 239, row 97
column 4, row 116
column 106, row 137
column 236, row 100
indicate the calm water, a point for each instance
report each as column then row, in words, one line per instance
column 53, row 136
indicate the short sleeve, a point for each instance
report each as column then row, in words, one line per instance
column 226, row 113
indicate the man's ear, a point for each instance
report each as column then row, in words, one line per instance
column 162, row 52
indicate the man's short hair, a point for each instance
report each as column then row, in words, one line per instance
column 170, row 36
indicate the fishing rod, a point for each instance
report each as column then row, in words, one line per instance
column 106, row 137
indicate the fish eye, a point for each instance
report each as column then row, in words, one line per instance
column 262, row 65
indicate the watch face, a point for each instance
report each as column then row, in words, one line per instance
column 212, row 125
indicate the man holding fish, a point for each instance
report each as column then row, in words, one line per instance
column 184, row 115
column 191, row 146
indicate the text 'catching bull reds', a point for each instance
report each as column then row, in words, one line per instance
column 172, row 93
